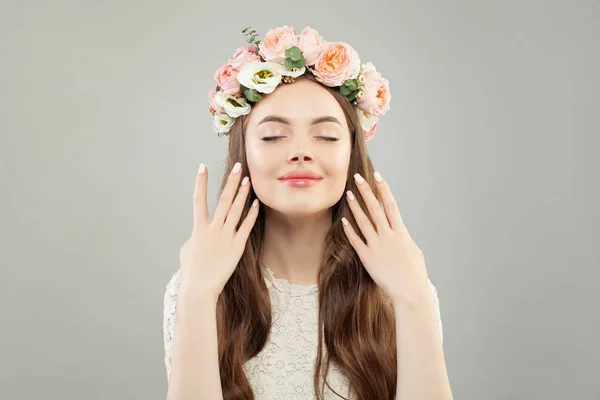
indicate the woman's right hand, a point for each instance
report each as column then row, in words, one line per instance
column 211, row 254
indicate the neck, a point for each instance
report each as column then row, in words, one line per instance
column 293, row 246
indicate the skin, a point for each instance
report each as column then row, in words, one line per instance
column 297, row 219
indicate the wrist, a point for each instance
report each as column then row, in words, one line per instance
column 197, row 298
column 417, row 298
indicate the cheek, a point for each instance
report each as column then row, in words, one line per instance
column 336, row 166
column 260, row 164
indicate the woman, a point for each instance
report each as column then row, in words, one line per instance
column 301, row 285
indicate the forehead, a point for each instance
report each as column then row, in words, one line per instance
column 301, row 102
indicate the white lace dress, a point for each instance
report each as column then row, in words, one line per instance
column 284, row 368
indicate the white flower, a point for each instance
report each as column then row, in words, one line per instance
column 222, row 123
column 264, row 77
column 294, row 73
column 234, row 107
column 366, row 120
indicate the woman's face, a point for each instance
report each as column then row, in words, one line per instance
column 299, row 128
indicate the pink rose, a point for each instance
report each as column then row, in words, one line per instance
column 311, row 45
column 376, row 90
column 337, row 63
column 211, row 100
column 243, row 56
column 276, row 42
column 226, row 78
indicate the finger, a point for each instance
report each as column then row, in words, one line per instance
column 389, row 203
column 354, row 239
column 372, row 204
column 363, row 222
column 228, row 194
column 200, row 208
column 246, row 227
column 235, row 212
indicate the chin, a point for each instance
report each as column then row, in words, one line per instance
column 299, row 207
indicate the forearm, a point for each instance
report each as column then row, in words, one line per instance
column 422, row 373
column 195, row 360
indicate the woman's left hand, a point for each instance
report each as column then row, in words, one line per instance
column 390, row 256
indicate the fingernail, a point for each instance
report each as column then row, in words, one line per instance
column 344, row 221
column 377, row 176
column 350, row 195
column 255, row 203
column 245, row 180
column 201, row 168
column 236, row 168
column 359, row 179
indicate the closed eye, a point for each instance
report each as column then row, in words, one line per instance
column 270, row 138
column 325, row 138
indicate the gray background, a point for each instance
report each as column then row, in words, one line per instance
column 491, row 147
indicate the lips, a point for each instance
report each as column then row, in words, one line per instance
column 300, row 175
column 300, row 179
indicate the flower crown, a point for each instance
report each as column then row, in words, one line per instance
column 283, row 56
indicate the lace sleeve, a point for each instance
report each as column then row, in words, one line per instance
column 170, row 305
column 439, row 314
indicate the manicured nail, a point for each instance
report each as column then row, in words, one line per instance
column 350, row 195
column 255, row 203
column 245, row 180
column 236, row 168
column 344, row 221
column 201, row 168
column 359, row 179
column 377, row 176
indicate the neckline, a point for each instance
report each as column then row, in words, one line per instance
column 294, row 289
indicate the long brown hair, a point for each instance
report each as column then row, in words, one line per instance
column 356, row 321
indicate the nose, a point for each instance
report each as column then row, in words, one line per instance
column 300, row 156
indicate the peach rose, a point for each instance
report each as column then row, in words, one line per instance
column 226, row 78
column 376, row 92
column 370, row 133
column 272, row 48
column 310, row 44
column 337, row 63
column 243, row 56
column 211, row 100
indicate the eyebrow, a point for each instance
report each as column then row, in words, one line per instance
column 286, row 121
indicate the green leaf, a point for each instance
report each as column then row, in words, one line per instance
column 298, row 64
column 352, row 96
column 251, row 95
column 245, row 30
column 288, row 63
column 345, row 90
column 294, row 53
column 218, row 88
column 352, row 84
